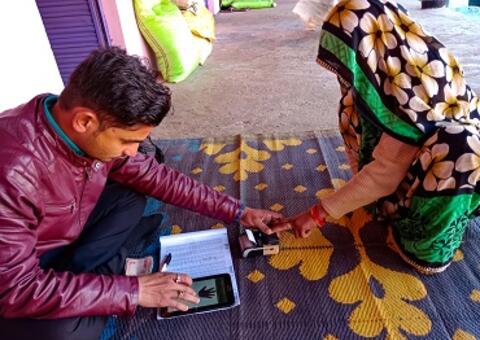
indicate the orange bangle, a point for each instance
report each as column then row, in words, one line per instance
column 315, row 215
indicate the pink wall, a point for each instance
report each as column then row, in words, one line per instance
column 123, row 29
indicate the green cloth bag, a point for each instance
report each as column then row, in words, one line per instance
column 166, row 31
column 226, row 3
column 247, row 4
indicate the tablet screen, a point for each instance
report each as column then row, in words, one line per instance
column 214, row 292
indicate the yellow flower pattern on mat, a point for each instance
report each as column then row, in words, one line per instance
column 256, row 276
column 218, row 226
column 458, row 256
column 245, row 159
column 330, row 337
column 321, row 168
column 475, row 295
column 176, row 229
column 196, row 171
column 392, row 311
column 277, row 207
column 299, row 188
column 463, row 335
column 240, row 167
column 285, row 305
column 219, row 188
column 234, row 164
column 261, row 186
column 279, row 144
column 388, row 310
column 311, row 254
column 212, row 148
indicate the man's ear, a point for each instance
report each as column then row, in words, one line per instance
column 85, row 121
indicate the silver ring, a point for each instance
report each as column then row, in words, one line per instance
column 177, row 279
column 180, row 294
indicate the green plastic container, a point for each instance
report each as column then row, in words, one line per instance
column 247, row 4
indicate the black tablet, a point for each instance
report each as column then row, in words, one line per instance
column 214, row 291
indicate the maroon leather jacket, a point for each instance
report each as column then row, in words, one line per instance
column 46, row 195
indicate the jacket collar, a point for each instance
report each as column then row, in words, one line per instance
column 58, row 142
column 47, row 105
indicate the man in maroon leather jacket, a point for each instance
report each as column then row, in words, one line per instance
column 56, row 156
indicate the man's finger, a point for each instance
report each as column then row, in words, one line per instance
column 178, row 287
column 263, row 227
column 275, row 215
column 280, row 220
column 190, row 298
column 278, row 227
column 270, row 216
column 181, row 278
column 177, row 305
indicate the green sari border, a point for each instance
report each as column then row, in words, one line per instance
column 366, row 90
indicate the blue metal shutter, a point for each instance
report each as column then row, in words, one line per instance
column 74, row 29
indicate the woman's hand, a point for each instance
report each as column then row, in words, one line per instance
column 302, row 225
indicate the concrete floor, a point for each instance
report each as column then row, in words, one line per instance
column 262, row 76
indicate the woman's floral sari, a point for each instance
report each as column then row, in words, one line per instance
column 399, row 80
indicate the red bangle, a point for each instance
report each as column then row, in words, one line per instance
column 315, row 215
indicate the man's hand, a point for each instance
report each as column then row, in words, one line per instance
column 259, row 219
column 165, row 290
column 302, row 225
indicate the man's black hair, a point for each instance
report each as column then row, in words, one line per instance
column 117, row 87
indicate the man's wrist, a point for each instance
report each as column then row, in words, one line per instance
column 239, row 214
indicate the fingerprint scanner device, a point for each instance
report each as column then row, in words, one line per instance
column 255, row 243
